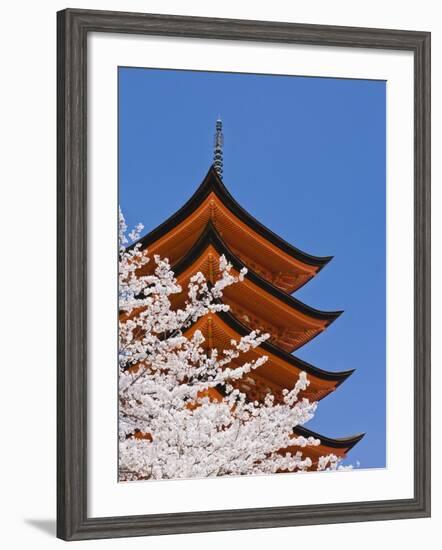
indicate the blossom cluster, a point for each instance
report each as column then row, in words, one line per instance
column 180, row 414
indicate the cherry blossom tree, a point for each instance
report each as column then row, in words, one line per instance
column 180, row 415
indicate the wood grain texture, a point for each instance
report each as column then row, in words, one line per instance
column 72, row 28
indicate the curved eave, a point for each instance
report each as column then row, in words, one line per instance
column 345, row 443
column 240, row 329
column 212, row 183
column 210, row 236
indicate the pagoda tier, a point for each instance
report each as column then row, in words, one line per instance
column 254, row 301
column 275, row 260
column 338, row 447
column 280, row 371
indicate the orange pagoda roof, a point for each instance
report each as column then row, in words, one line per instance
column 211, row 224
column 280, row 371
column 275, row 260
column 254, row 301
column 337, row 446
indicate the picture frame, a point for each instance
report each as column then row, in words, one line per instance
column 73, row 29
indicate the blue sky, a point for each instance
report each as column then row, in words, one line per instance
column 306, row 156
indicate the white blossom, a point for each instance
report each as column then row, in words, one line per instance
column 180, row 416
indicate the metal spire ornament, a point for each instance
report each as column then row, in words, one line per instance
column 218, row 147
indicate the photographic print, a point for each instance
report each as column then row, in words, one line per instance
column 239, row 352
column 243, row 274
column 252, row 269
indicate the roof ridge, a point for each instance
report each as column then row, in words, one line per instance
column 230, row 319
column 342, row 442
column 210, row 235
column 213, row 182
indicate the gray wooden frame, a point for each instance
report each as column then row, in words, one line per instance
column 73, row 28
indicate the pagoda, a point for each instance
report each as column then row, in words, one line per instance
column 211, row 224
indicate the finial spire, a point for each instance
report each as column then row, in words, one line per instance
column 218, row 147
